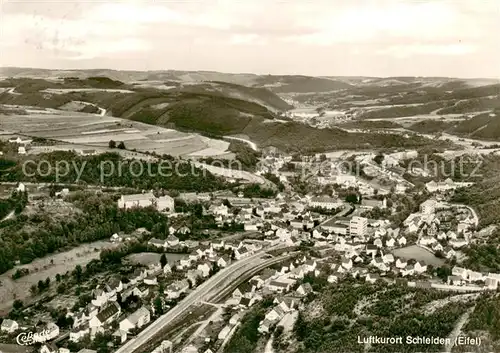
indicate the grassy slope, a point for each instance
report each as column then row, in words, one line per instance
column 258, row 95
column 402, row 111
column 484, row 195
column 431, row 126
column 414, row 93
column 36, row 99
column 216, row 115
column 213, row 114
column 482, row 126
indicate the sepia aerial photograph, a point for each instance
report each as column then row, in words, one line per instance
column 249, row 176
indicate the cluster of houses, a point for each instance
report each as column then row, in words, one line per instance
column 43, row 334
column 283, row 282
column 362, row 247
column 199, row 264
column 387, row 166
column 462, row 277
column 50, row 330
column 433, row 226
column 329, row 171
column 370, row 262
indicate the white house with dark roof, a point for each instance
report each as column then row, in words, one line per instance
column 137, row 319
column 158, row 243
column 409, row 270
column 9, row 326
column 427, row 240
column 244, row 290
column 401, row 240
column 241, row 253
column 204, row 268
column 390, row 243
column 346, row 263
column 401, row 263
column 151, row 280
column 437, row 247
column 141, row 290
column 76, row 334
column 379, row 263
column 172, row 241
column 388, row 258
column 280, row 285
column 107, row 315
column 224, row 261
column 371, row 249
column 420, row 267
column 371, row 278
column 304, row 289
column 174, row 290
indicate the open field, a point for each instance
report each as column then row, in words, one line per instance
column 45, row 267
column 95, row 131
column 419, row 254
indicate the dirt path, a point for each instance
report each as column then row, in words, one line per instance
column 458, row 329
column 437, row 304
column 269, row 346
column 250, row 143
column 9, row 216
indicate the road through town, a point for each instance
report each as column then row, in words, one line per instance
column 204, row 292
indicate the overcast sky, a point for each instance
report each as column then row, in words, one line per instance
column 457, row 38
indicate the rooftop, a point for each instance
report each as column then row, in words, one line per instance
column 138, row 197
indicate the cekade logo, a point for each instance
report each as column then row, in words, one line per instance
column 29, row 338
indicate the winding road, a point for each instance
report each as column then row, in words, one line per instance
column 252, row 145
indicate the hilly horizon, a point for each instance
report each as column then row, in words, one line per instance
column 247, row 79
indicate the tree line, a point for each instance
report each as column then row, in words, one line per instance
column 110, row 169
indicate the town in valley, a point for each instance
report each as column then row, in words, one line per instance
column 173, row 210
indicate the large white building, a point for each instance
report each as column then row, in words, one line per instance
column 428, row 207
column 358, row 226
column 162, row 203
column 446, row 185
column 325, row 202
column 345, row 179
